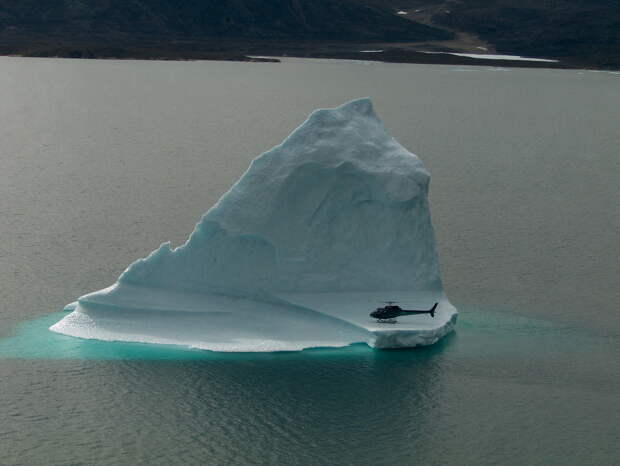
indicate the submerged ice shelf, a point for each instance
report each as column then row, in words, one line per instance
column 315, row 234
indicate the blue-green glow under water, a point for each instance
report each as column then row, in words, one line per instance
column 502, row 389
column 34, row 340
column 479, row 331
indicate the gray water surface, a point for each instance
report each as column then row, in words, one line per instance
column 101, row 161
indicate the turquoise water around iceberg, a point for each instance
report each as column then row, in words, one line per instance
column 503, row 389
column 480, row 332
column 34, row 340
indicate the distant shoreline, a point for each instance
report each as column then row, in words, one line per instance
column 269, row 53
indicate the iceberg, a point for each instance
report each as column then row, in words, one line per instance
column 317, row 232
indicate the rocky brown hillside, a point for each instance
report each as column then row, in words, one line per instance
column 255, row 19
column 584, row 31
column 578, row 32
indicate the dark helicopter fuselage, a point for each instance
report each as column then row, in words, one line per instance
column 392, row 311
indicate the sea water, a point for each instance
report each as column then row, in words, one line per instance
column 103, row 160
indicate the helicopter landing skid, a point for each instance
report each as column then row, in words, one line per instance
column 386, row 321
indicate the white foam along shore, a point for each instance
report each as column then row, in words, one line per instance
column 295, row 255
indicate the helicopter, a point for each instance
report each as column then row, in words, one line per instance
column 388, row 314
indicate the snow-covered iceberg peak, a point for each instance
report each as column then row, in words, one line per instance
column 340, row 205
column 336, row 214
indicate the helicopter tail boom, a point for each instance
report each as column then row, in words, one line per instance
column 431, row 311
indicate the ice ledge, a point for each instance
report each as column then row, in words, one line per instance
column 410, row 338
column 288, row 322
column 407, row 332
